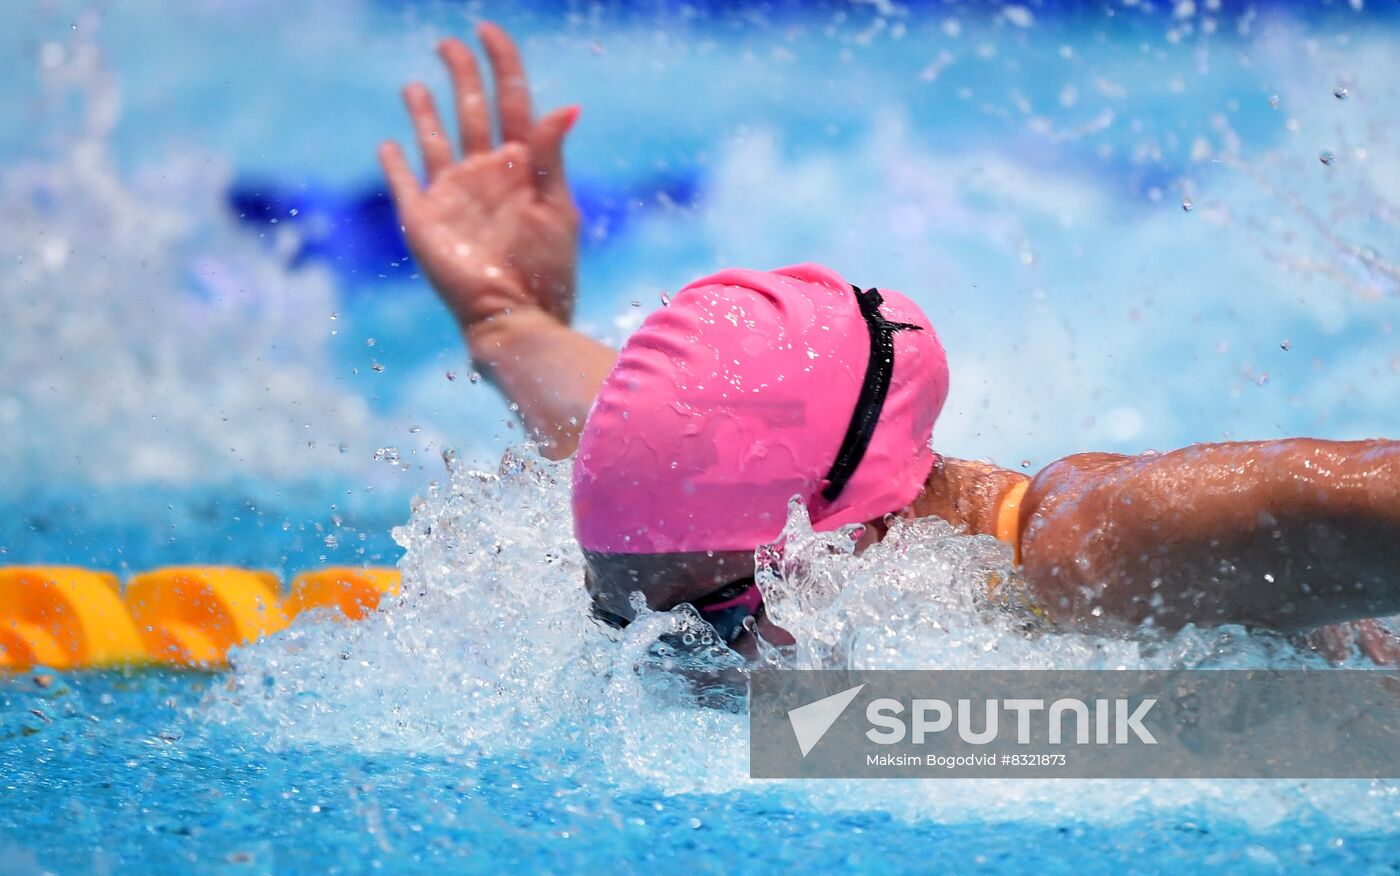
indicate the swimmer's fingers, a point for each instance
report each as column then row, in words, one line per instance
column 1339, row 642
column 1334, row 641
column 427, row 126
column 1377, row 642
column 512, row 89
column 403, row 185
column 473, row 112
column 547, row 153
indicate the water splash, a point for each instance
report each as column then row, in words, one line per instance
column 489, row 652
column 146, row 337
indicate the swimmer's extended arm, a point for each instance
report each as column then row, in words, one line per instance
column 550, row 370
column 496, row 234
column 1288, row 535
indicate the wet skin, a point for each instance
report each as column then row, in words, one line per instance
column 1288, row 535
column 1284, row 535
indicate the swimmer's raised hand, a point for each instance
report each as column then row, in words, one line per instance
column 495, row 230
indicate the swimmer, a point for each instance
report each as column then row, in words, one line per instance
column 755, row 386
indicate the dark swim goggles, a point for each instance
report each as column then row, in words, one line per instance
column 729, row 608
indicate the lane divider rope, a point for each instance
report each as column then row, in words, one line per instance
column 66, row 617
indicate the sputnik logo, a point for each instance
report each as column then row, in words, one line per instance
column 810, row 722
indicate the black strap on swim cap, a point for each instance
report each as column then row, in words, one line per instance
column 873, row 390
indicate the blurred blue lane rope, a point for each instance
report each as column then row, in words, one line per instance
column 356, row 233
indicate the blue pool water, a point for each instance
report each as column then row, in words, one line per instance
column 138, row 789
column 193, row 372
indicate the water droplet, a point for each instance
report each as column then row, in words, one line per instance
column 474, row 377
column 665, row 300
column 1273, row 101
column 376, row 367
column 1326, row 157
column 331, row 541
column 636, row 303
column 1285, row 346
column 370, row 342
column 386, row 454
column 1025, row 463
column 450, row 375
column 1341, row 93
column 1186, row 204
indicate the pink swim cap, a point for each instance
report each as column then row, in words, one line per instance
column 742, row 394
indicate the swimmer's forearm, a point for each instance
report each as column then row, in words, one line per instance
column 549, row 370
column 1285, row 534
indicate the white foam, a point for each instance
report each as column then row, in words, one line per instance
column 489, row 651
column 147, row 338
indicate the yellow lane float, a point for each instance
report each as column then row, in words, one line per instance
column 65, row 618
column 70, row 618
column 356, row 592
column 194, row 614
